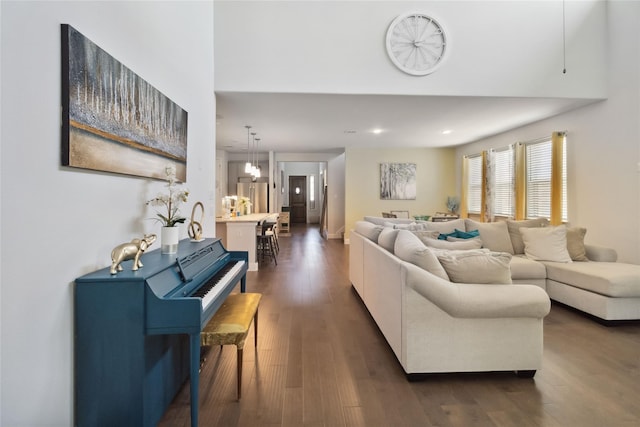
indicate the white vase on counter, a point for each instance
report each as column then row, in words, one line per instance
column 169, row 240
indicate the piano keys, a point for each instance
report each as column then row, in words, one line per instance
column 137, row 333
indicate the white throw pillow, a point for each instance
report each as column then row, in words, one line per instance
column 410, row 249
column 546, row 243
column 476, row 266
column 445, row 227
column 514, row 227
column 445, row 244
column 494, row 235
column 424, row 234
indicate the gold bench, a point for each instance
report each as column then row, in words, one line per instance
column 231, row 323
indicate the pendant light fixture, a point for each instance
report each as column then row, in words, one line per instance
column 247, row 166
column 253, row 143
column 257, row 171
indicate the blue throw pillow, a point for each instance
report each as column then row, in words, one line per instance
column 466, row 234
column 443, row 236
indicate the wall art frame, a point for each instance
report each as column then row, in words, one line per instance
column 397, row 181
column 112, row 119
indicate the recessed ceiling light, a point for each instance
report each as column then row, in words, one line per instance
column 377, row 131
column 446, row 132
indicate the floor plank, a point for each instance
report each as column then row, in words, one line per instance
column 321, row 361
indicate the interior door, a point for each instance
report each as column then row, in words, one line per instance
column 298, row 199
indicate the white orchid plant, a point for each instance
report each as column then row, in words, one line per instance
column 170, row 203
column 244, row 202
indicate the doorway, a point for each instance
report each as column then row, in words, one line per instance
column 298, row 199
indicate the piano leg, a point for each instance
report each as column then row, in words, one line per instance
column 194, row 376
column 243, row 284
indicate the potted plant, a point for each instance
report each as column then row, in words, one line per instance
column 168, row 213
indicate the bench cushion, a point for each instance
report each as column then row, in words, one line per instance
column 231, row 322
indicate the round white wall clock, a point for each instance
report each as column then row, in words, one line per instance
column 416, row 43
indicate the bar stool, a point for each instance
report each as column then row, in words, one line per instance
column 264, row 242
column 274, row 235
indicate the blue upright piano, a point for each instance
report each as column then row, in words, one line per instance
column 137, row 333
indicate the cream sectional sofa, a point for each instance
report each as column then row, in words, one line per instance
column 435, row 325
column 596, row 285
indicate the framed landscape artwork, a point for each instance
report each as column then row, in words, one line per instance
column 397, row 181
column 112, row 119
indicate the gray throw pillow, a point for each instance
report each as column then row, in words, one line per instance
column 575, row 243
column 494, row 235
column 477, row 266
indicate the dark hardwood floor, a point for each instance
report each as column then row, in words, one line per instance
column 321, row 361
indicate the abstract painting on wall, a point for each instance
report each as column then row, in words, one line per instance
column 112, row 119
column 397, row 181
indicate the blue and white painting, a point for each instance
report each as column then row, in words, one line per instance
column 113, row 120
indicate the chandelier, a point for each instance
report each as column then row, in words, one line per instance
column 252, row 154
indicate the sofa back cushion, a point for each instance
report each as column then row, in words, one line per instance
column 409, row 248
column 369, row 230
column 546, row 243
column 378, row 220
column 476, row 266
column 514, row 231
column 387, row 238
column 494, row 235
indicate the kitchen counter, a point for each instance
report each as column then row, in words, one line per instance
column 256, row 217
column 239, row 233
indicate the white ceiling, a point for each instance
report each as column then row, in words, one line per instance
column 306, row 123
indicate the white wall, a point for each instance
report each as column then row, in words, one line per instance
column 59, row 223
column 603, row 151
column 496, row 48
column 336, row 197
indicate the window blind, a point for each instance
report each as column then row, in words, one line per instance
column 565, row 213
column 504, row 182
column 474, row 185
column 538, row 160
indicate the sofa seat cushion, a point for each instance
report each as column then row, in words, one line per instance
column 613, row 279
column 523, row 268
